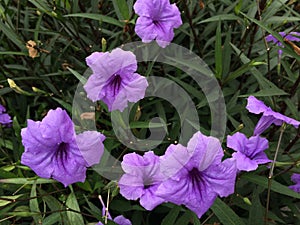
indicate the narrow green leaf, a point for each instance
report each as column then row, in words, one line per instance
column 263, row 82
column 275, row 186
column 5, row 200
column 218, row 52
column 74, row 217
column 172, row 216
column 81, row 78
column 11, row 34
column 53, row 218
column 227, row 51
column 184, row 219
column 282, row 19
column 34, row 205
column 66, row 105
column 256, row 213
column 221, row 17
column 225, row 214
column 27, row 181
column 121, row 9
column 94, row 16
column 267, row 92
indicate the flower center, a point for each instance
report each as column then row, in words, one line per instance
column 195, row 176
column 116, row 83
column 62, row 151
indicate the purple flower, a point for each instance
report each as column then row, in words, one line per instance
column 53, row 150
column 269, row 116
column 121, row 220
column 250, row 152
column 114, row 80
column 4, row 117
column 157, row 20
column 292, row 36
column 196, row 174
column 296, row 179
column 141, row 179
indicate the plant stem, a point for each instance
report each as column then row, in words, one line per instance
column 272, row 172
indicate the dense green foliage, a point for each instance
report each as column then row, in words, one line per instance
column 228, row 35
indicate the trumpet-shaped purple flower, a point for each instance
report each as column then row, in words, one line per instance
column 250, row 152
column 114, row 80
column 196, row 174
column 296, row 179
column 269, row 116
column 157, row 20
column 292, row 36
column 4, row 117
column 53, row 150
column 141, row 179
column 120, row 220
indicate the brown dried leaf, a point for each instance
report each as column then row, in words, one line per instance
column 32, row 49
column 87, row 116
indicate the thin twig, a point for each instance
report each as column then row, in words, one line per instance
column 272, row 172
column 188, row 15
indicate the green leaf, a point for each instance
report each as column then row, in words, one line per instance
column 275, row 186
column 282, row 19
column 34, row 205
column 5, row 200
column 53, row 218
column 121, row 9
column 221, row 17
column 74, row 217
column 267, row 92
column 94, row 16
column 184, row 219
column 11, row 34
column 81, row 78
column 256, row 213
column 170, row 219
column 218, row 52
column 27, row 181
column 225, row 214
column 263, row 82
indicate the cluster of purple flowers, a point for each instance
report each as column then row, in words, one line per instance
column 192, row 175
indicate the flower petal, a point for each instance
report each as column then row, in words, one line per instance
column 121, row 220
column 90, row 144
column 237, row 142
column 256, row 106
column 243, row 162
column 204, row 150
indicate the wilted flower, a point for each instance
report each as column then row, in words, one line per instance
column 4, row 117
column 120, row 220
column 53, row 150
column 250, row 152
column 292, row 36
column 269, row 116
column 296, row 179
column 114, row 80
column 157, row 20
column 141, row 179
column 196, row 174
